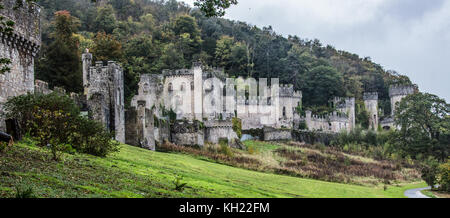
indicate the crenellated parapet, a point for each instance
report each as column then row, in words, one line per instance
column 26, row 35
column 370, row 96
column 340, row 102
column 218, row 123
column 104, row 92
column 286, row 90
column 180, row 72
column 401, row 90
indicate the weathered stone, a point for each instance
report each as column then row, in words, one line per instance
column 20, row 48
column 105, row 94
column 272, row 134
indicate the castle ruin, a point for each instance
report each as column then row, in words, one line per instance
column 20, row 47
column 371, row 105
column 396, row 93
column 187, row 106
column 104, row 91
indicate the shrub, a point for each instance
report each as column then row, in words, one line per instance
column 24, row 192
column 179, row 185
column 226, row 150
column 302, row 126
column 251, row 149
column 237, row 126
column 429, row 171
column 3, row 146
column 54, row 121
column 51, row 128
column 444, row 176
column 371, row 137
column 90, row 137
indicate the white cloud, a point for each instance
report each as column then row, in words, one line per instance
column 409, row 36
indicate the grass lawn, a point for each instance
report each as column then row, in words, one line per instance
column 135, row 172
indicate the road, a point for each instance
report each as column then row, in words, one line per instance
column 415, row 193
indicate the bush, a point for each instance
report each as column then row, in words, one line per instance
column 3, row 146
column 24, row 192
column 225, row 149
column 302, row 126
column 429, row 172
column 54, row 121
column 237, row 126
column 90, row 137
column 179, row 185
column 371, row 137
column 251, row 149
column 444, row 176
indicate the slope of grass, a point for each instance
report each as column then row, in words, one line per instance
column 135, row 172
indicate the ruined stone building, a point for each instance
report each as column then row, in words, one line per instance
column 204, row 105
column 104, row 92
column 396, row 93
column 371, row 105
column 186, row 106
column 341, row 119
column 20, row 48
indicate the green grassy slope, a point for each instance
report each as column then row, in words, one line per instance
column 135, row 172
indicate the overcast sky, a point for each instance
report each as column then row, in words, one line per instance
column 411, row 37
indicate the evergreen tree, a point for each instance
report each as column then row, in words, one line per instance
column 60, row 65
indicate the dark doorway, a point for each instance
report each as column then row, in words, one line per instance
column 12, row 128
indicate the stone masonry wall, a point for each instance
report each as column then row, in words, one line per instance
column 20, row 47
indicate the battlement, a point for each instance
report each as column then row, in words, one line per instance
column 109, row 64
column 340, row 102
column 370, row 96
column 41, row 87
column 218, row 124
column 150, row 79
column 335, row 116
column 401, row 90
column 180, row 72
column 27, row 32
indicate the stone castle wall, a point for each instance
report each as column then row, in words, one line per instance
column 219, row 129
column 20, row 48
column 272, row 134
column 104, row 90
column 371, row 105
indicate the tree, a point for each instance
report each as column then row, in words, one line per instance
column 106, row 48
column 233, row 56
column 443, row 177
column 60, row 65
column 322, row 84
column 214, row 8
column 106, row 19
column 171, row 58
column 223, row 51
column 188, row 37
column 424, row 123
column 362, row 116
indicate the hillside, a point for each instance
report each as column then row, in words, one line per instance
column 149, row 36
column 135, row 172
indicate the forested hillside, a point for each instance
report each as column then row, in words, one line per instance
column 149, row 36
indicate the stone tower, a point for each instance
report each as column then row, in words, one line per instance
column 103, row 87
column 198, row 91
column 397, row 93
column 371, row 104
column 21, row 48
column 346, row 106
